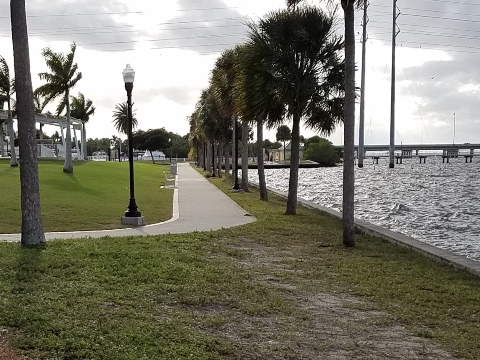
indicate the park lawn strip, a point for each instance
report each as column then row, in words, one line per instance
column 128, row 298
column 94, row 197
column 435, row 300
column 237, row 293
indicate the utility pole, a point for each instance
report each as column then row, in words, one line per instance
column 454, row 129
column 395, row 32
column 361, row 129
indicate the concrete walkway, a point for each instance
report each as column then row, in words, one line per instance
column 197, row 206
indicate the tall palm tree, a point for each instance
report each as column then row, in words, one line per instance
column 32, row 227
column 120, row 118
column 258, row 102
column 56, row 137
column 211, row 122
column 7, row 89
column 283, row 134
column 82, row 109
column 39, row 106
column 349, row 119
column 222, row 80
column 63, row 76
column 302, row 54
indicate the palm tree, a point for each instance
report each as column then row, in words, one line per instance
column 120, row 118
column 82, row 109
column 212, row 124
column 301, row 54
column 349, row 119
column 39, row 106
column 56, row 137
column 32, row 227
column 283, row 134
column 258, row 102
column 63, row 77
column 7, row 89
column 222, row 81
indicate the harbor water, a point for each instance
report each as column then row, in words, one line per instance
column 433, row 202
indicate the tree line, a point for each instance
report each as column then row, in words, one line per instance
column 291, row 68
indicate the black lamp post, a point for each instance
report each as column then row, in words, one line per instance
column 132, row 215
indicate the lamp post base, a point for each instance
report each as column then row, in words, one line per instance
column 132, row 215
column 133, row 221
column 236, row 188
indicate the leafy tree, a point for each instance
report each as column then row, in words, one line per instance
column 82, row 109
column 32, row 226
column 302, row 55
column 63, row 76
column 348, row 7
column 120, row 118
column 7, row 89
column 151, row 140
column 94, row 145
column 322, row 151
column 283, row 134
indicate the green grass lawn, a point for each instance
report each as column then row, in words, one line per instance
column 94, row 197
column 251, row 292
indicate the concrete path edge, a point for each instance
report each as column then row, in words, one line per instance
column 432, row 252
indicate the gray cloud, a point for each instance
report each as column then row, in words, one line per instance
column 203, row 27
column 181, row 95
column 450, row 27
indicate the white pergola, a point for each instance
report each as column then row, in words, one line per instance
column 61, row 121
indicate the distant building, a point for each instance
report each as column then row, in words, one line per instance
column 276, row 155
column 157, row 155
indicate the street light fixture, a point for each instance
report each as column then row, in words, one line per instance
column 132, row 215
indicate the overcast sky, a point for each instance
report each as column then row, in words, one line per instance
column 172, row 46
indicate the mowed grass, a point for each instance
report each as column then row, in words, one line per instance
column 211, row 295
column 94, row 197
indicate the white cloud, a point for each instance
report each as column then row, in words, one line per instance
column 172, row 45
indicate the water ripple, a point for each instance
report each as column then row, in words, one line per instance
column 433, row 202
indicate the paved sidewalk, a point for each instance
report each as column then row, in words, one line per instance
column 197, row 206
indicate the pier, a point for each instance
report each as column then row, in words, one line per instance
column 422, row 152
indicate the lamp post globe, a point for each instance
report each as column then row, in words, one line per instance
column 132, row 215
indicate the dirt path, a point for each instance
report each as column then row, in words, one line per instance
column 332, row 325
column 6, row 350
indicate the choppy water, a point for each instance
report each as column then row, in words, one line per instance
column 433, row 202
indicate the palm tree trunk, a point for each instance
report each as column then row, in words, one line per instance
column 32, row 227
column 214, row 159
column 220, row 158
column 204, row 156
column 11, row 133
column 2, row 145
column 245, row 134
column 349, row 128
column 226, row 155
column 208, row 156
column 68, row 165
column 294, row 162
column 84, row 142
column 261, row 167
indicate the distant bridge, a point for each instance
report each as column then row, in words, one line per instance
column 416, row 147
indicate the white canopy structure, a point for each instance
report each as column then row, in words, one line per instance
column 61, row 121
